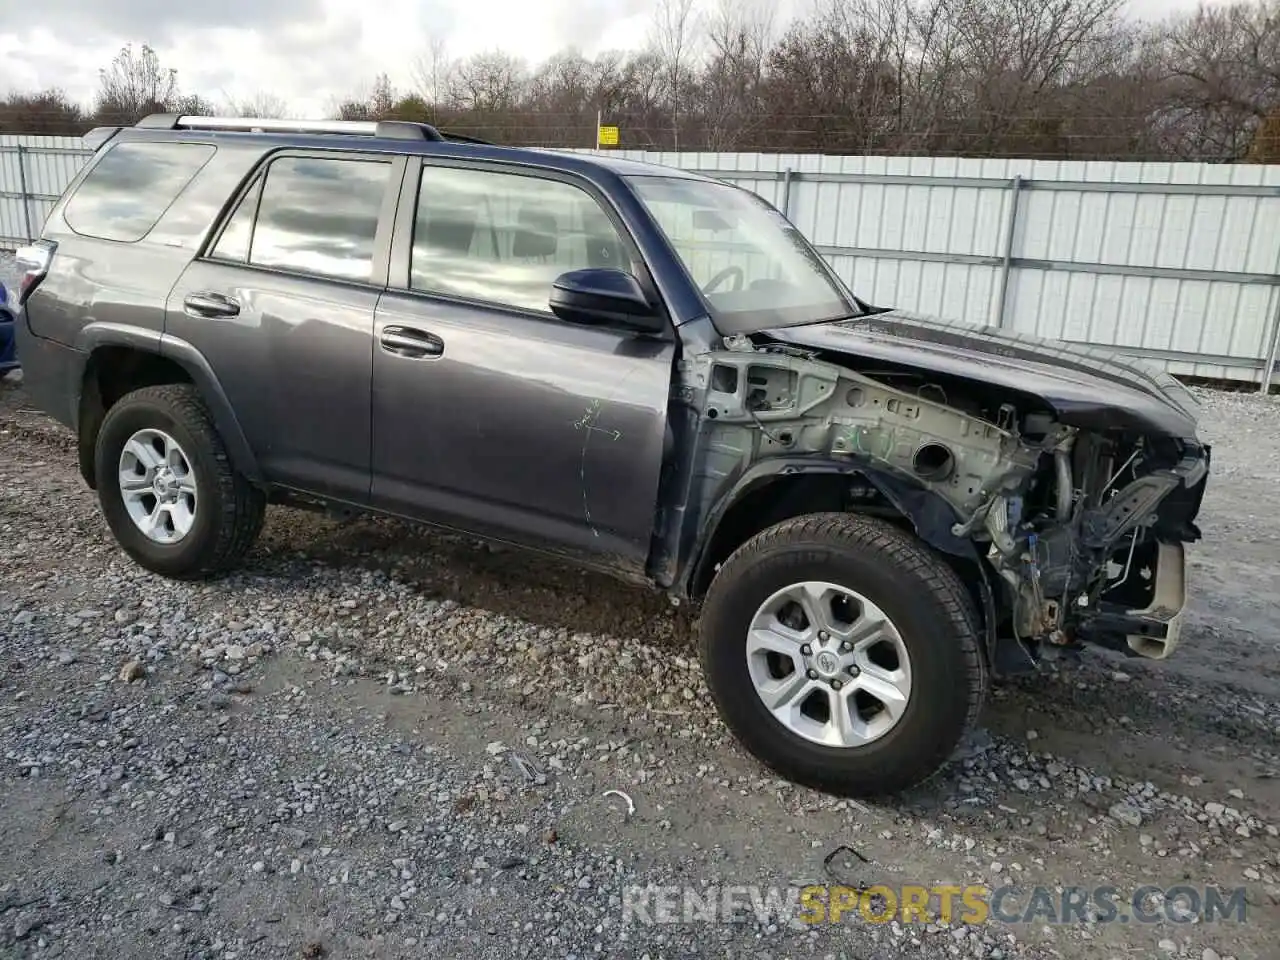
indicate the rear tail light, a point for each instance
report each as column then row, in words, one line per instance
column 34, row 262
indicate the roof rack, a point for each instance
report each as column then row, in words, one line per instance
column 96, row 137
column 386, row 129
column 463, row 138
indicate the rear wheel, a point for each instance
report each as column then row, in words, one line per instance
column 167, row 488
column 843, row 653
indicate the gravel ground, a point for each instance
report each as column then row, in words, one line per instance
column 380, row 742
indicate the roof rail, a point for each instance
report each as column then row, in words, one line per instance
column 463, row 138
column 159, row 121
column 96, row 137
column 387, row 129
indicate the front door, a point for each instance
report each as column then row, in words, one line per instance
column 491, row 414
column 282, row 308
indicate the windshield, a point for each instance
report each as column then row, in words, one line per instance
column 754, row 268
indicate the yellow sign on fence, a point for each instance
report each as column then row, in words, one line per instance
column 607, row 137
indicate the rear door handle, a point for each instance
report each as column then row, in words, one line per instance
column 410, row 343
column 211, row 305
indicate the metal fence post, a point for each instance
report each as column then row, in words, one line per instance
column 1269, row 370
column 1012, row 225
column 22, row 188
column 786, row 193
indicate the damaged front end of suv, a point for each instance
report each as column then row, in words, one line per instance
column 876, row 511
column 1066, row 478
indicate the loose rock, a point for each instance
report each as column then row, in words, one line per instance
column 133, row 670
column 1126, row 813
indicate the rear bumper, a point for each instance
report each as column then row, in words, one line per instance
column 51, row 373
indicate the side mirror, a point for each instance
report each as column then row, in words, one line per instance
column 603, row 296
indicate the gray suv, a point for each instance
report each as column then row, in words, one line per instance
column 635, row 368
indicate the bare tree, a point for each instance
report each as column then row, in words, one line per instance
column 48, row 112
column 134, row 85
column 613, row 87
column 1222, row 69
column 262, row 105
column 487, row 82
column 563, row 97
column 430, row 72
column 383, row 99
column 1039, row 78
column 832, row 83
column 672, row 35
column 1019, row 56
column 357, row 106
column 194, row 105
column 740, row 34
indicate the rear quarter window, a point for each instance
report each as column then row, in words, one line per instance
column 131, row 187
column 312, row 215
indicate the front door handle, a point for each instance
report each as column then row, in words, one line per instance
column 211, row 305
column 410, row 343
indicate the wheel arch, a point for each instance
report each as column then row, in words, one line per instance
column 777, row 490
column 121, row 358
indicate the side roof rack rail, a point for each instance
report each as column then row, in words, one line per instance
column 98, row 136
column 463, row 138
column 386, row 129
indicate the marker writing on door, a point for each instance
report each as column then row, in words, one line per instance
column 588, row 422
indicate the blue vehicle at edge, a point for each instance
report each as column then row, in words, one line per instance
column 8, row 357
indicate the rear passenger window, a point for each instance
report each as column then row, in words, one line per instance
column 131, row 186
column 504, row 237
column 317, row 216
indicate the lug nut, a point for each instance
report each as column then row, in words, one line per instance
column 854, row 670
column 836, row 684
column 823, row 636
column 813, row 674
column 846, row 646
column 806, row 649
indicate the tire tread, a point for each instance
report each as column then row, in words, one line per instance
column 896, row 547
column 243, row 506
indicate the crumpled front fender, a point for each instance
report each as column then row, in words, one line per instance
column 930, row 515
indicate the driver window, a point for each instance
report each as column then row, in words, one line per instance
column 504, row 237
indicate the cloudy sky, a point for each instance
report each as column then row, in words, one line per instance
column 310, row 52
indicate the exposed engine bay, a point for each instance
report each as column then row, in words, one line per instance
column 1079, row 531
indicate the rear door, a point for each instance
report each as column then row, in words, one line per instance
column 282, row 307
column 491, row 414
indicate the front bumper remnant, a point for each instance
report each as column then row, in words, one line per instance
column 1152, row 631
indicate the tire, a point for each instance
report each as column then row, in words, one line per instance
column 935, row 622
column 228, row 511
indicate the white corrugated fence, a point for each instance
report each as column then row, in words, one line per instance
column 33, row 172
column 1178, row 263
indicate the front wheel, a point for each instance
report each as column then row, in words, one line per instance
column 168, row 490
column 843, row 653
